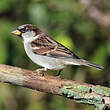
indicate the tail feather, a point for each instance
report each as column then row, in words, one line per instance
column 90, row 64
column 84, row 62
column 99, row 67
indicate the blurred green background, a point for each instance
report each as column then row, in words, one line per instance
column 66, row 21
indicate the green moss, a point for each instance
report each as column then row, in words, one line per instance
column 101, row 90
column 82, row 94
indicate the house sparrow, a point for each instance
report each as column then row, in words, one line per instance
column 46, row 52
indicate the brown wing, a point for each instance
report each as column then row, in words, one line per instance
column 47, row 46
column 43, row 45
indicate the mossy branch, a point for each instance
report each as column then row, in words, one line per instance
column 95, row 95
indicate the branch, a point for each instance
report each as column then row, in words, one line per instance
column 95, row 95
column 95, row 13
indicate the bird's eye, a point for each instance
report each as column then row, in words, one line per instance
column 26, row 29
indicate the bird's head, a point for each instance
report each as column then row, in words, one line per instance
column 27, row 32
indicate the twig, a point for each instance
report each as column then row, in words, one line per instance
column 95, row 95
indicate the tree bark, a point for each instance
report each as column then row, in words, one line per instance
column 95, row 95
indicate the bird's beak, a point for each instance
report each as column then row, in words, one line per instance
column 16, row 32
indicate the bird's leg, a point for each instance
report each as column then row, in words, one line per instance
column 40, row 70
column 58, row 75
column 59, row 72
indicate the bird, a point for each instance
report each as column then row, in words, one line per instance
column 46, row 52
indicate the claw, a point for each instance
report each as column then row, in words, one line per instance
column 40, row 70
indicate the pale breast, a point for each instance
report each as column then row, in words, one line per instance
column 44, row 61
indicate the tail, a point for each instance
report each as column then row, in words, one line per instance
column 85, row 63
column 90, row 64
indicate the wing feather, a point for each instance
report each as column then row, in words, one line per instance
column 47, row 46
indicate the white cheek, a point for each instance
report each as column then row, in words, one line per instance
column 28, row 36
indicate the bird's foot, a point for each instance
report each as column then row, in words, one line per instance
column 40, row 70
column 59, row 77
